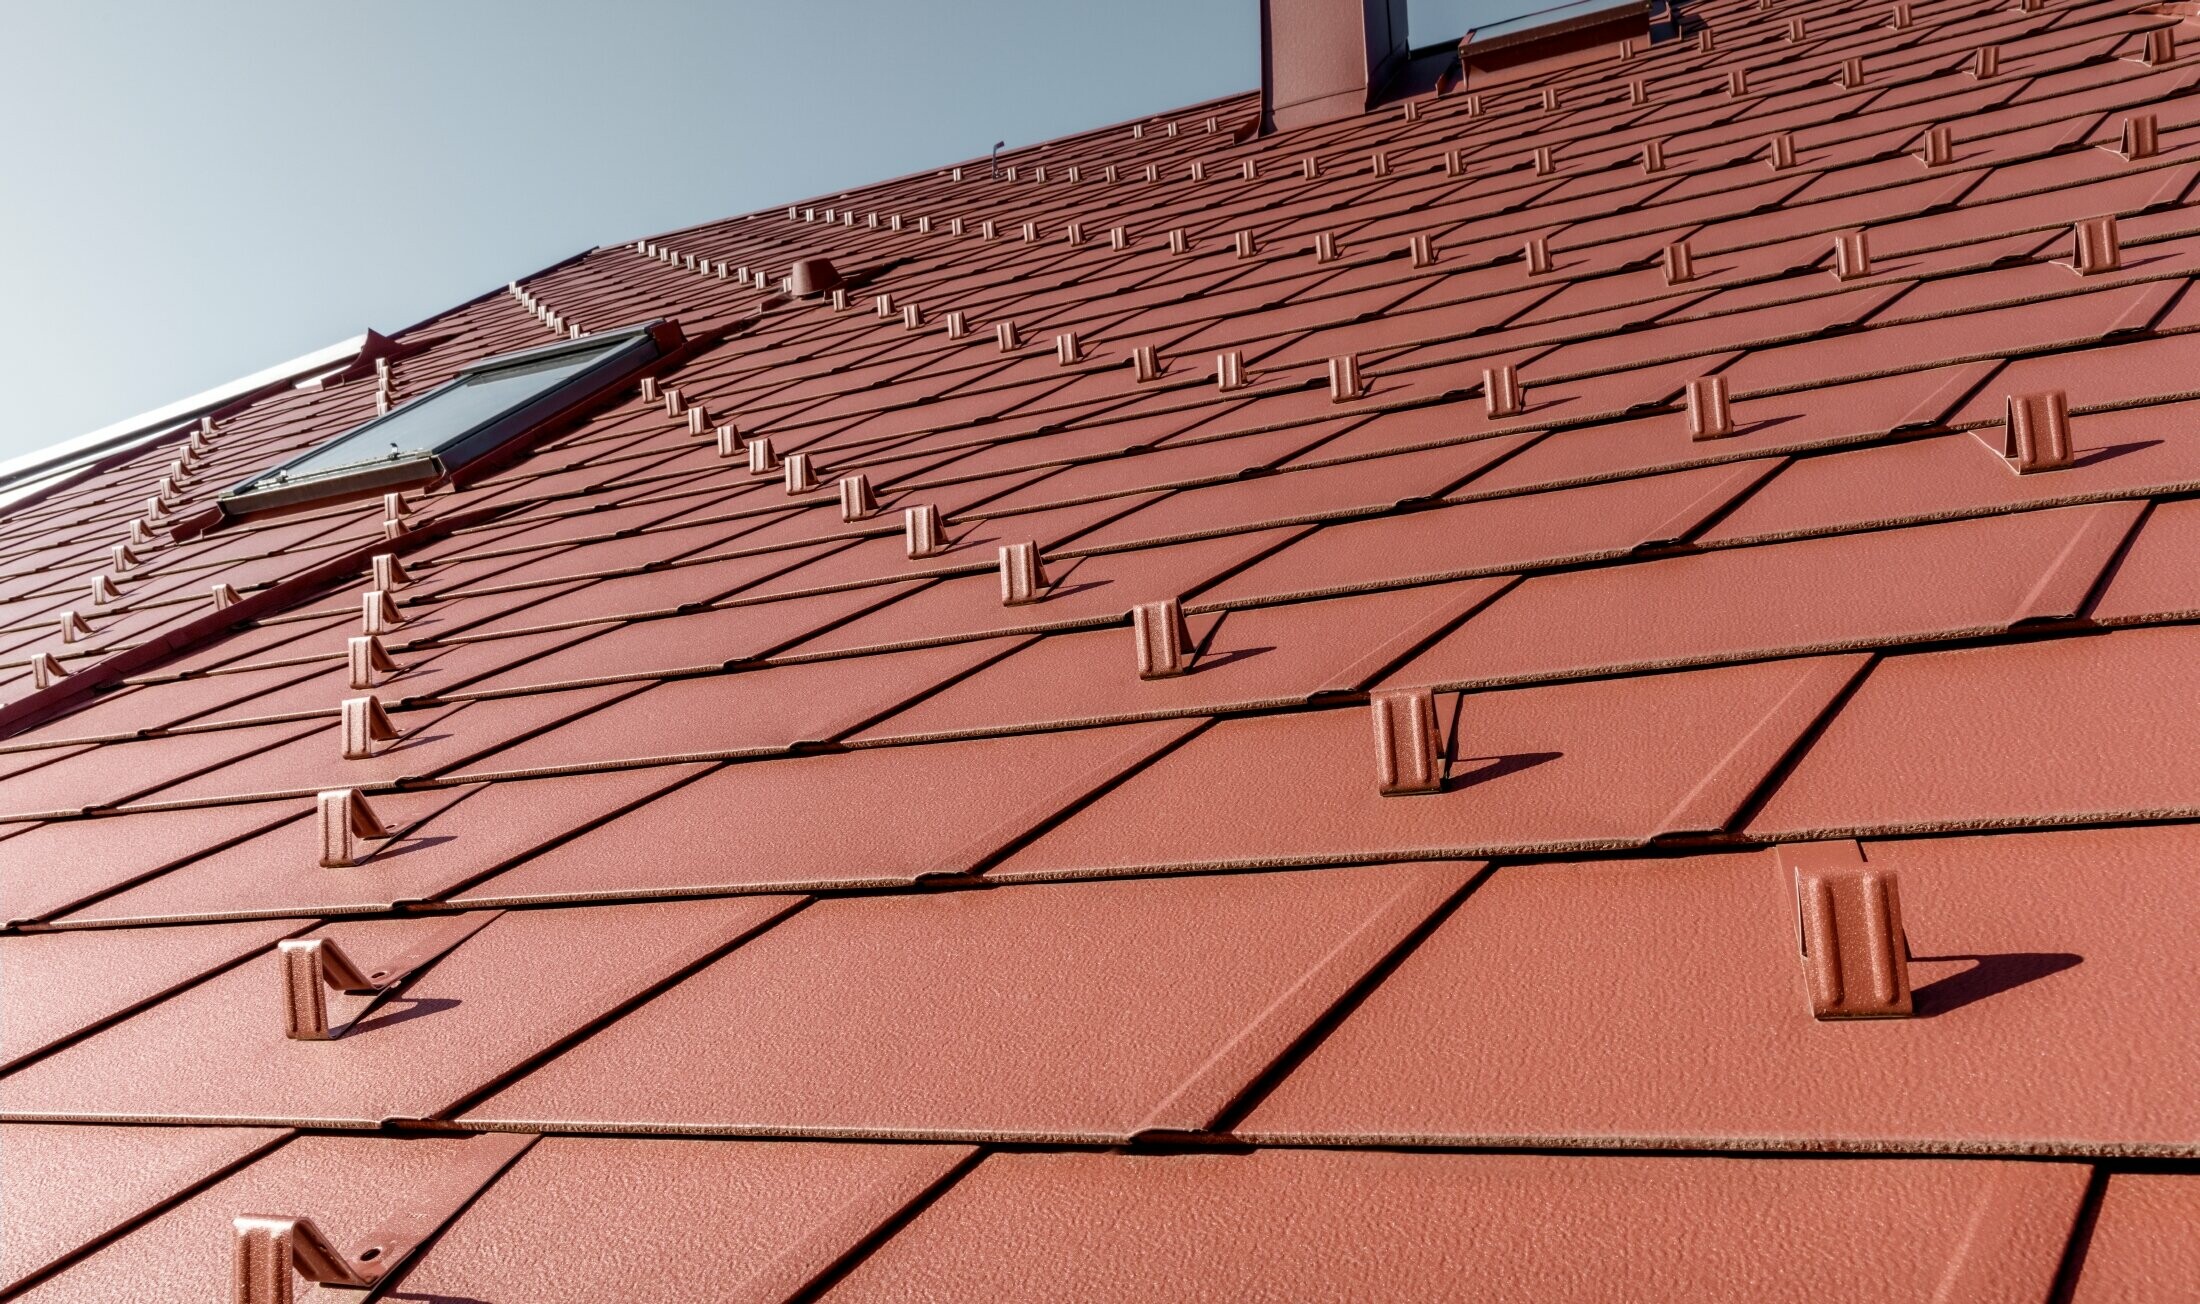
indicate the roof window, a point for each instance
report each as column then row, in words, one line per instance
column 1564, row 35
column 481, row 411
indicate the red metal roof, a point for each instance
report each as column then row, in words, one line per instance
column 1389, row 822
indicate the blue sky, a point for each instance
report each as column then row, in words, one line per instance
column 197, row 191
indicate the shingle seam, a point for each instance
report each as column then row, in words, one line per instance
column 136, row 1006
column 1980, row 167
column 1840, row 442
column 633, row 1001
column 39, row 922
column 1479, row 266
column 1560, row 340
column 150, row 1213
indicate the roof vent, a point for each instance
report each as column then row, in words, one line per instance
column 812, row 277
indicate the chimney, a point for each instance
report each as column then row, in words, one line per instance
column 1321, row 60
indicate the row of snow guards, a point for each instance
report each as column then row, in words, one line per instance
column 1579, row 688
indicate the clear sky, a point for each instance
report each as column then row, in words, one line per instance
column 198, row 190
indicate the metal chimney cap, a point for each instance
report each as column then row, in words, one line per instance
column 812, row 277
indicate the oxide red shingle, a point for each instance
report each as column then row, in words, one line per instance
column 1261, row 1030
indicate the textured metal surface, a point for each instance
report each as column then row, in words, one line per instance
column 431, row 741
column 866, row 818
column 1669, row 467
column 68, row 982
column 347, row 1186
column 593, row 1218
column 962, row 1015
column 1490, row 537
column 750, row 713
column 2153, row 579
column 1240, row 659
column 2071, row 730
column 1082, row 590
column 1604, row 763
column 443, row 839
column 50, row 867
column 1889, row 588
column 1312, row 1224
column 511, row 991
column 2123, row 453
column 70, row 1185
column 2036, row 1023
column 2145, row 1240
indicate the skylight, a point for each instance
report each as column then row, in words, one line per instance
column 478, row 412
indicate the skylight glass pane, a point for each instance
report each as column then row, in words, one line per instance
column 481, row 415
column 1544, row 17
column 432, row 423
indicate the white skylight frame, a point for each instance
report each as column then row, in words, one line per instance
column 456, row 424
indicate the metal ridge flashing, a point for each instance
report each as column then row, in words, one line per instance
column 111, row 445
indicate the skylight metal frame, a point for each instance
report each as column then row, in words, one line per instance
column 626, row 352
